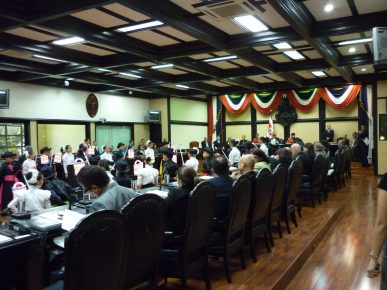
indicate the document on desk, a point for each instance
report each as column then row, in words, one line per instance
column 71, row 219
column 160, row 193
column 52, row 215
column 4, row 239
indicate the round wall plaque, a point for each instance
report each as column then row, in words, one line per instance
column 92, row 105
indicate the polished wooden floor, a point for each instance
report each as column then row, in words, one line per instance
column 335, row 236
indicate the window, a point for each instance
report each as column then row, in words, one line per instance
column 383, row 127
column 12, row 137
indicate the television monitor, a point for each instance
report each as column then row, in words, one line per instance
column 154, row 116
column 4, row 99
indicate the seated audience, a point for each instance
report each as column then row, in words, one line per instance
column 104, row 164
column 96, row 182
column 205, row 143
column 275, row 140
column 245, row 165
column 34, row 198
column 60, row 190
column 218, row 144
column 309, row 150
column 122, row 176
column 82, row 153
column 319, row 149
column 192, row 161
column 360, row 149
column 306, row 160
column 207, row 157
column 292, row 138
column 148, row 176
column 177, row 200
column 243, row 141
column 255, row 139
column 223, row 185
column 261, row 160
column 283, row 156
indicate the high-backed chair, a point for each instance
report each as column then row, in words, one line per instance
column 228, row 236
column 289, row 200
column 257, row 219
column 145, row 222
column 95, row 253
column 190, row 255
column 193, row 144
column 280, row 178
column 311, row 189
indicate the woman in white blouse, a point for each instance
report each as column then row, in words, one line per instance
column 67, row 159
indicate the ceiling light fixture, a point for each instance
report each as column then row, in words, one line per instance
column 351, row 49
column 162, row 66
column 103, row 69
column 182, row 86
column 48, row 58
column 318, row 73
column 250, row 22
column 328, row 8
column 70, row 79
column 220, row 58
column 130, row 75
column 69, row 41
column 282, row 45
column 355, row 41
column 294, row 54
column 140, row 26
column 363, row 69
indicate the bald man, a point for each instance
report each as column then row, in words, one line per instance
column 245, row 164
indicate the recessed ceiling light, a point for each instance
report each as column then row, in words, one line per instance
column 220, row 58
column 140, row 26
column 250, row 22
column 69, row 41
column 130, row 75
column 182, row 86
column 162, row 66
column 318, row 73
column 48, row 58
column 363, row 69
column 282, row 45
column 352, row 49
column 328, row 8
column 294, row 54
column 362, row 40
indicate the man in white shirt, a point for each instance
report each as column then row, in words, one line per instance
column 263, row 146
column 107, row 155
column 274, row 140
column 235, row 154
column 147, row 176
column 192, row 161
column 150, row 152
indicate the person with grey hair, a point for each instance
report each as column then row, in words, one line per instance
column 319, row 149
column 29, row 162
column 306, row 160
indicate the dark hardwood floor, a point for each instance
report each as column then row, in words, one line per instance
column 335, row 236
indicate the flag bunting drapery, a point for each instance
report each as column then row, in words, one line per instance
column 301, row 99
column 341, row 97
column 266, row 102
column 304, row 99
column 235, row 104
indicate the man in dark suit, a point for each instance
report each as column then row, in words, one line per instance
column 306, row 160
column 223, row 186
column 218, row 143
column 205, row 143
column 329, row 134
column 207, row 157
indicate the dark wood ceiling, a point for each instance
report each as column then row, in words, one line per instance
column 186, row 38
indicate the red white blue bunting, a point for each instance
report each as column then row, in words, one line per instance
column 235, row 104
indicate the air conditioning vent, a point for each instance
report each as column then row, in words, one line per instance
column 220, row 10
column 379, row 41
